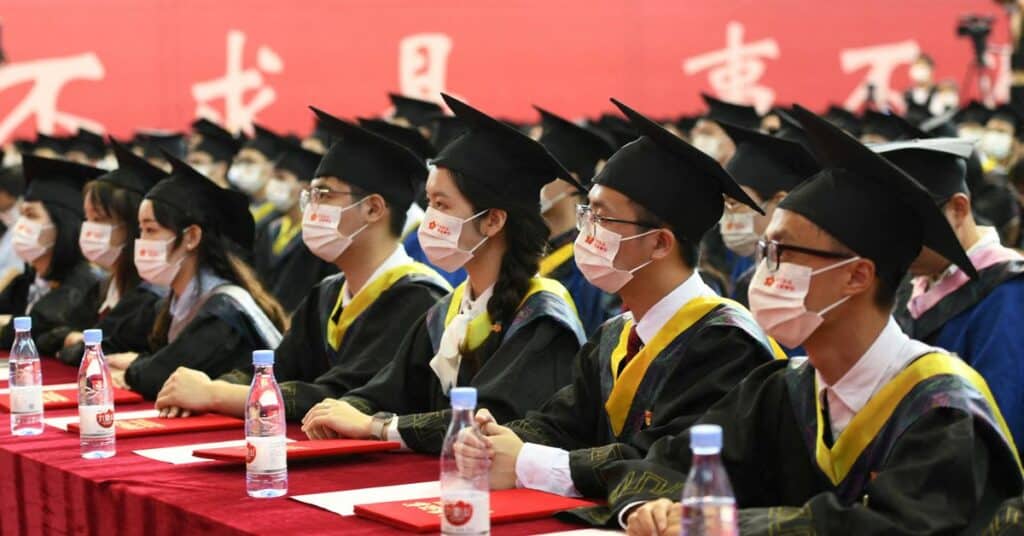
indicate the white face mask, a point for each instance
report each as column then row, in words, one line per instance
column 96, row 242
column 777, row 301
column 11, row 215
column 997, row 144
column 920, row 73
column 320, row 230
column 439, row 237
column 280, row 194
column 28, row 239
column 708, row 144
column 547, row 204
column 246, row 177
column 973, row 134
column 595, row 257
column 152, row 260
column 738, row 233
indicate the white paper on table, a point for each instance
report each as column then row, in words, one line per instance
column 182, row 454
column 343, row 503
column 63, row 422
column 5, row 371
column 583, row 532
column 54, row 387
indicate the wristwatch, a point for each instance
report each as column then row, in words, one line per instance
column 379, row 425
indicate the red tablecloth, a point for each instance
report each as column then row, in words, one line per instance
column 46, row 487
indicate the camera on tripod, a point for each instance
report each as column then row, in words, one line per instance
column 976, row 28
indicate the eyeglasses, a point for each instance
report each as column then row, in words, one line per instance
column 586, row 219
column 772, row 251
column 315, row 196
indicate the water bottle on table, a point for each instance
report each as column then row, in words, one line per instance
column 266, row 467
column 95, row 400
column 465, row 491
column 709, row 508
column 26, row 381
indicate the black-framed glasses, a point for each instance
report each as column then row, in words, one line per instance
column 315, row 196
column 772, row 250
column 586, row 219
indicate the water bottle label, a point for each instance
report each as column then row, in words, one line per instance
column 266, row 454
column 96, row 421
column 468, row 513
column 27, row 399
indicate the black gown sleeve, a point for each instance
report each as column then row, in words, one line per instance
column 69, row 307
column 126, row 327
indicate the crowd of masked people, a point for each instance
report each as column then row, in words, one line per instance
column 840, row 292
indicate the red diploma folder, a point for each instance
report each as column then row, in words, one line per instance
column 305, row 450
column 68, row 398
column 507, row 506
column 157, row 426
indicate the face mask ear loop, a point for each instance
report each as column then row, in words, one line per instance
column 834, row 266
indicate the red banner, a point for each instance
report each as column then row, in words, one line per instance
column 119, row 65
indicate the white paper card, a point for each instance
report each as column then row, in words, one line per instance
column 343, row 503
column 54, row 387
column 62, row 422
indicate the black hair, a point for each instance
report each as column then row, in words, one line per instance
column 66, row 252
column 688, row 251
column 12, row 181
column 123, row 206
column 396, row 215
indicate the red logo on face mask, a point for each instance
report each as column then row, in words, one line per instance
column 250, row 452
column 105, row 419
column 769, row 281
column 458, row 513
column 432, row 225
column 320, row 218
column 590, row 239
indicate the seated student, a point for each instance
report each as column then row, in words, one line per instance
column 976, row 319
column 250, row 170
column 875, row 433
column 654, row 370
column 286, row 267
column 583, row 152
column 108, row 236
column 12, row 188
column 58, row 289
column 505, row 331
column 349, row 326
column 154, row 145
column 217, row 313
column 213, row 151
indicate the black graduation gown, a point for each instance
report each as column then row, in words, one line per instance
column 306, row 366
column 69, row 307
column 126, row 326
column 520, row 366
column 290, row 275
column 937, row 465
column 701, row 365
column 220, row 338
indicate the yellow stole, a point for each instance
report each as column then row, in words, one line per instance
column 259, row 213
column 481, row 327
column 365, row 298
column 285, row 234
column 628, row 381
column 868, row 422
column 555, row 259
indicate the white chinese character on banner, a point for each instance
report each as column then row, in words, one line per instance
column 423, row 65
column 48, row 77
column 238, row 115
column 734, row 71
column 881, row 61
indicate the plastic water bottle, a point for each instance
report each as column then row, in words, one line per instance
column 709, row 508
column 466, row 490
column 95, row 400
column 266, row 463
column 26, row 381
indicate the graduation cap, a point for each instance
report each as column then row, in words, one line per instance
column 500, row 157
column 869, row 204
column 215, row 141
column 444, row 129
column 766, row 163
column 418, row 112
column 133, row 172
column 620, row 131
column 155, row 144
column 677, row 182
column 844, row 119
column 88, row 143
column 265, row 141
column 299, row 161
column 409, row 138
column 215, row 209
column 791, row 130
column 56, row 144
column 24, row 146
column 889, row 126
column 1006, row 112
column 974, row 112
column 370, row 161
column 56, row 181
column 577, row 148
column 12, row 180
column 721, row 111
column 939, row 164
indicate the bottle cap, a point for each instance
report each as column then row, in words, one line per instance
column 23, row 323
column 93, row 336
column 706, row 436
column 463, row 397
column 263, row 357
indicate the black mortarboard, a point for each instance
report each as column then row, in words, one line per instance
column 444, row 129
column 974, row 112
column 12, row 180
column 320, row 133
column 418, row 112
column 56, row 181
column 500, row 157
column 88, row 143
column 265, row 141
column 133, row 172
column 56, row 144
column 844, row 119
column 1008, row 113
column 870, row 205
column 155, row 144
column 791, row 130
column 620, row 131
column 939, row 164
column 410, row 138
column 370, row 161
column 299, row 161
column 24, row 146
column 577, row 148
column 677, row 182
column 217, row 210
column 727, row 112
column 766, row 163
column 889, row 126
column 685, row 123
column 215, row 141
